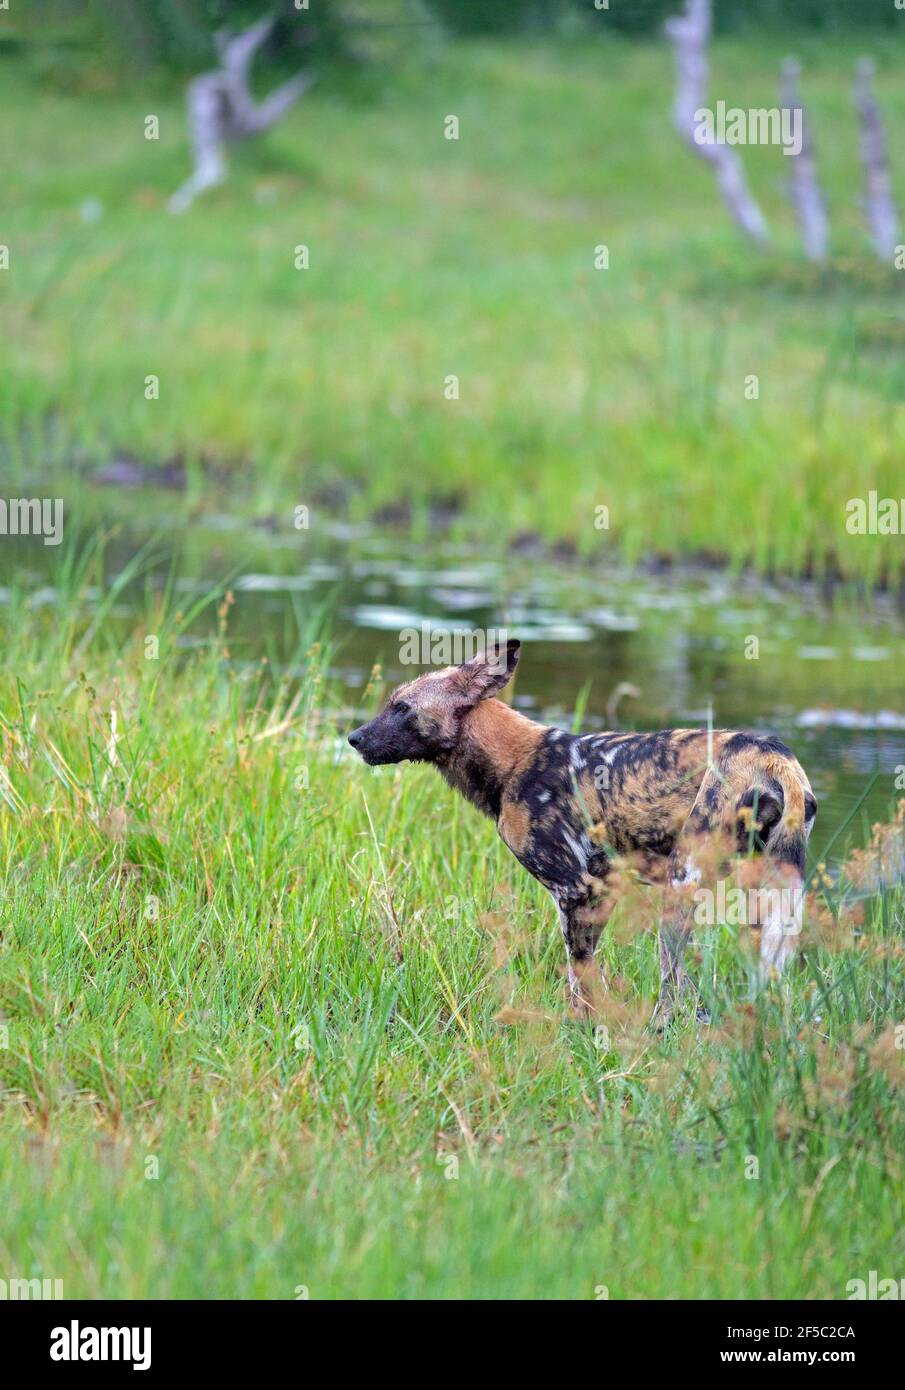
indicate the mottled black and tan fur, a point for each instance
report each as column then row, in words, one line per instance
column 568, row 806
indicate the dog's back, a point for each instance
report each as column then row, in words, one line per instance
column 638, row 792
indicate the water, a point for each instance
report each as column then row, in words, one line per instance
column 693, row 646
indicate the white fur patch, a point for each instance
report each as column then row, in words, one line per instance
column 579, row 851
column 780, row 934
column 690, row 874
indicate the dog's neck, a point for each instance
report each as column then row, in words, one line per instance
column 495, row 745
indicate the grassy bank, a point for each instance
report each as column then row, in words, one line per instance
column 578, row 388
column 275, row 1023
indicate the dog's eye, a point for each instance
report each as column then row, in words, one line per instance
column 401, row 707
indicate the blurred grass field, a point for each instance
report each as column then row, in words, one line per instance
column 429, row 257
column 276, row 1025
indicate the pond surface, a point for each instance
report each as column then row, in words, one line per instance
column 826, row 677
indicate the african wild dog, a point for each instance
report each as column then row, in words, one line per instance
column 567, row 805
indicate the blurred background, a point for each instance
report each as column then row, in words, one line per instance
column 421, row 311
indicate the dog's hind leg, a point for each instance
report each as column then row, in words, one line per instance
column 674, row 935
column 582, row 924
column 752, row 801
column 780, row 928
column 699, row 842
column 781, row 902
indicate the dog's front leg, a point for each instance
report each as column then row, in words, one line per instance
column 582, row 924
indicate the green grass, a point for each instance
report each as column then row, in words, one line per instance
column 277, row 1021
column 578, row 388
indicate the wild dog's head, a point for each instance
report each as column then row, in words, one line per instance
column 423, row 720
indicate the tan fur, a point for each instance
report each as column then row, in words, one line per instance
column 509, row 740
column 515, row 826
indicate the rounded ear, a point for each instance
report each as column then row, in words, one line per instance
column 484, row 675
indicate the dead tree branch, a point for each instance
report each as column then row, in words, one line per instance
column 879, row 206
column 221, row 108
column 804, row 187
column 690, row 36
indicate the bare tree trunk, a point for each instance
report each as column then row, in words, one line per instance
column 690, row 36
column 207, row 105
column 879, row 207
column 804, row 188
column 221, row 108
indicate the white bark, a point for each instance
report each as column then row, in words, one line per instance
column 221, row 108
column 879, row 206
column 207, row 105
column 804, row 187
column 690, row 36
